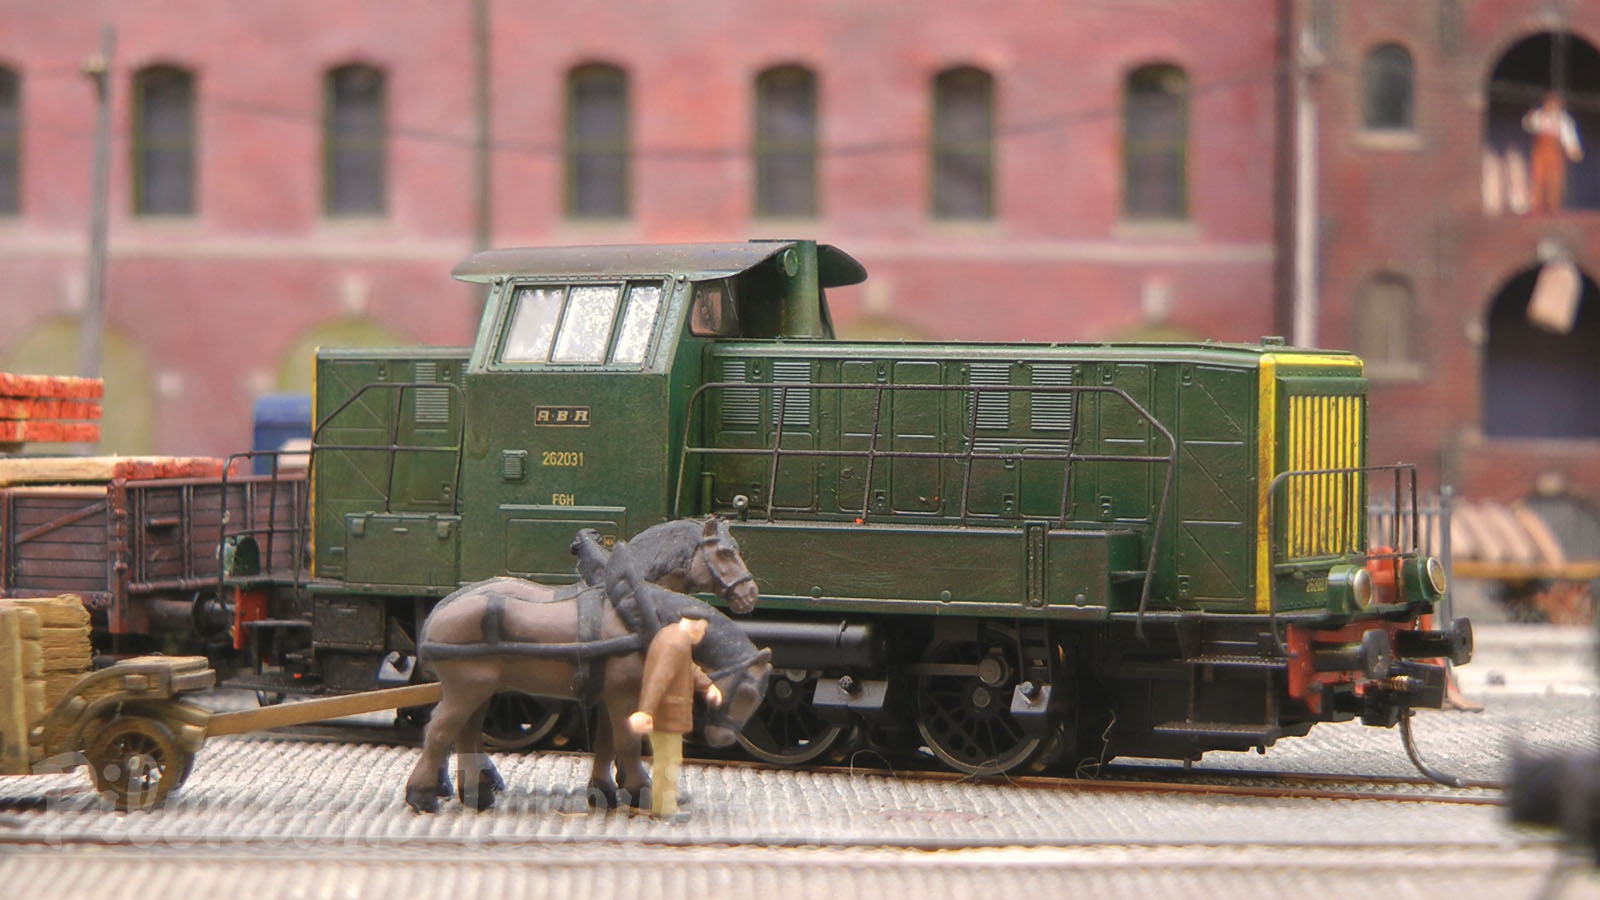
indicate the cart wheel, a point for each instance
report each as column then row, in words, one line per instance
column 135, row 762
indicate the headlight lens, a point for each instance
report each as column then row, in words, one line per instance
column 1436, row 577
column 1424, row 578
column 1351, row 584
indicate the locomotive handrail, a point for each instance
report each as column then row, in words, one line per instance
column 1395, row 550
column 296, row 529
column 393, row 448
column 1068, row 457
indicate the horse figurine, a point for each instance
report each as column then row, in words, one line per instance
column 506, row 633
column 683, row 555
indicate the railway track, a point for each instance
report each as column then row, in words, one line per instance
column 1114, row 778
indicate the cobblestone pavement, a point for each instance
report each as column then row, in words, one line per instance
column 284, row 818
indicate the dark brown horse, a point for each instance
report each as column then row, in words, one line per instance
column 508, row 634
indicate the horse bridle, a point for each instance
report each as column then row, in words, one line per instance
column 724, row 587
column 719, row 714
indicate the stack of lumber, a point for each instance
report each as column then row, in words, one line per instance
column 49, row 408
column 44, row 651
column 96, row 469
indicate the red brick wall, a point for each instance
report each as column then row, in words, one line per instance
column 215, row 299
column 1416, row 209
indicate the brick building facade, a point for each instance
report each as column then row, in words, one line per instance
column 1099, row 169
column 1432, row 243
column 218, row 302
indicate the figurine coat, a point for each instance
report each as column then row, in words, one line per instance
column 671, row 680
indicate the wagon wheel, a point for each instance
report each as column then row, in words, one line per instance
column 787, row 730
column 518, row 721
column 965, row 717
column 136, row 762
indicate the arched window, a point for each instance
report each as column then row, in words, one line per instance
column 1386, row 88
column 786, row 142
column 354, row 142
column 10, row 142
column 1384, row 313
column 963, row 144
column 597, row 142
column 163, row 141
column 1155, row 143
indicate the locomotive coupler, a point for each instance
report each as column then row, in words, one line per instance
column 1409, row 685
column 1453, row 642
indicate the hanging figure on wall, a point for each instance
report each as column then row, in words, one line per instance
column 1555, row 141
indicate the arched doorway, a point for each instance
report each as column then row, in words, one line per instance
column 294, row 371
column 1558, row 64
column 128, row 416
column 1537, row 382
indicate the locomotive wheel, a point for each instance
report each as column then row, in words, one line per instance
column 136, row 762
column 518, row 721
column 965, row 719
column 787, row 730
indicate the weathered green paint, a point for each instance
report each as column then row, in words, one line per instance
column 948, row 536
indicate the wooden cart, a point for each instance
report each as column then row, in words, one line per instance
column 131, row 724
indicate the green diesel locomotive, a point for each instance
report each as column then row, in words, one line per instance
column 1002, row 554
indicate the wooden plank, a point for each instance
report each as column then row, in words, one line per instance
column 71, row 469
column 65, row 611
column 22, row 408
column 13, row 702
column 63, row 551
column 36, row 431
column 48, row 584
column 35, row 569
column 318, row 710
column 60, row 386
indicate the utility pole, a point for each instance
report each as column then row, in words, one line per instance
column 483, row 159
column 1306, row 242
column 99, row 69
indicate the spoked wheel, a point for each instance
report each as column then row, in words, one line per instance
column 787, row 730
column 964, row 714
column 136, row 762
column 518, row 721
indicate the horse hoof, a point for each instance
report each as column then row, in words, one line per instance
column 422, row 800
column 491, row 776
column 602, row 796
column 480, row 800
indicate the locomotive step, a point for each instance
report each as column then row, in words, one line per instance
column 1241, row 661
column 1263, row 733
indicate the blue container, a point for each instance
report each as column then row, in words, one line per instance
column 279, row 419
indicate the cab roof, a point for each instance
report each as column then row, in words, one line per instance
column 696, row 262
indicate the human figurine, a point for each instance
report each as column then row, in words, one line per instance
column 1555, row 141
column 666, row 705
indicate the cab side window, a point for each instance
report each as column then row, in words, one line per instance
column 713, row 313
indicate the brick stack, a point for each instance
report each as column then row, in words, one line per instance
column 49, row 408
column 44, row 651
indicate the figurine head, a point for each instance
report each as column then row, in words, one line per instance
column 693, row 623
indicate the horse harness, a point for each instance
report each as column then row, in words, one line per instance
column 724, row 587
